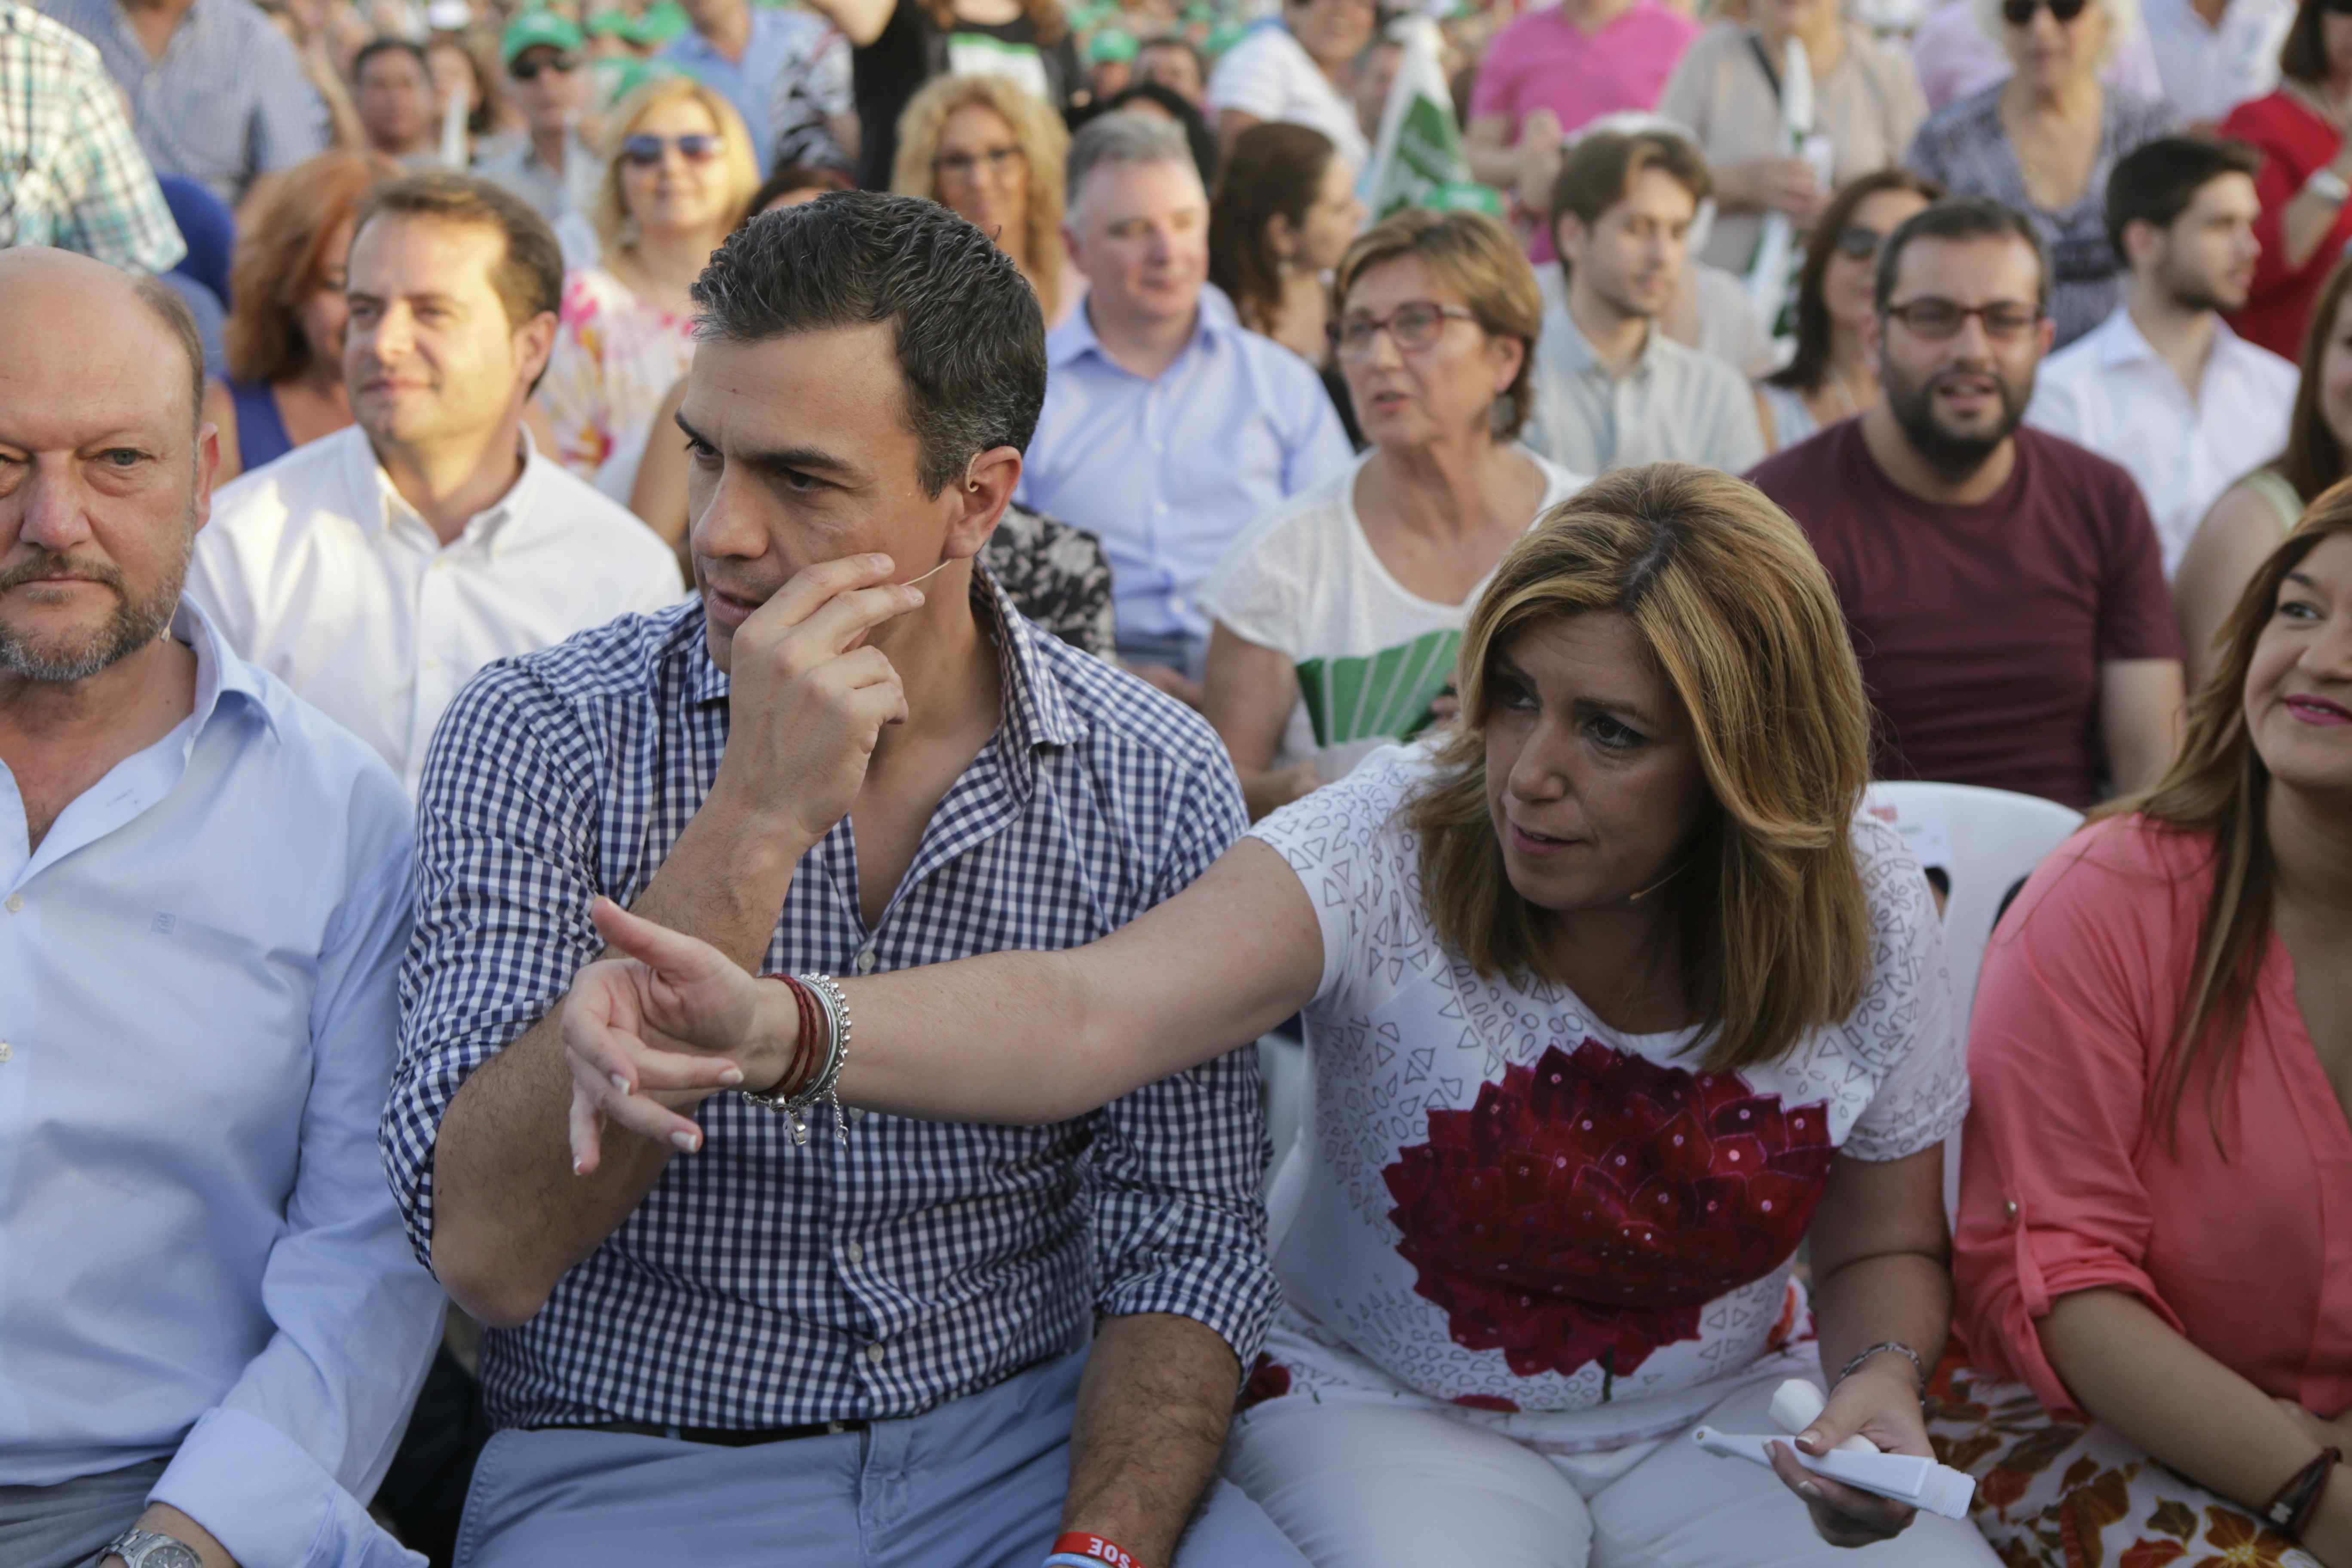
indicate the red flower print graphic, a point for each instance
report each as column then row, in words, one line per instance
column 1587, row 1208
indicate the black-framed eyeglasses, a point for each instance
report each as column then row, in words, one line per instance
column 1858, row 242
column 528, row 69
column 964, row 165
column 1415, row 325
column 2019, row 13
column 1935, row 318
column 646, row 149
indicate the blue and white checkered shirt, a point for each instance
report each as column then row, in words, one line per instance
column 72, row 174
column 228, row 101
column 761, row 1284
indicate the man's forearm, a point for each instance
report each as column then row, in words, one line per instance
column 1152, row 1412
column 509, row 1216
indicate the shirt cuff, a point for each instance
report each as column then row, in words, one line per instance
column 264, row 1497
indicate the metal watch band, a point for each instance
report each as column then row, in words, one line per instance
column 147, row 1549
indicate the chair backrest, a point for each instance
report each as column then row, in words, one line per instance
column 1986, row 842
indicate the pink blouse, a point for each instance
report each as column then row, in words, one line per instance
column 2066, row 1183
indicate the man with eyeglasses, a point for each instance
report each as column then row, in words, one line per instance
column 1168, row 429
column 2163, row 386
column 2003, row 587
column 548, row 166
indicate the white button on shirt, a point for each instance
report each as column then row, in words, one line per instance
column 2112, row 392
column 199, row 1256
column 315, row 569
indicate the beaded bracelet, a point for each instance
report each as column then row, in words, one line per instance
column 814, row 1070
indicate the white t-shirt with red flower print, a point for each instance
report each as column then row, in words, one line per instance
column 1511, row 1208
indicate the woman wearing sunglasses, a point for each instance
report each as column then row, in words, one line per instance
column 1334, row 621
column 2044, row 141
column 681, row 175
column 2305, row 181
column 1830, row 377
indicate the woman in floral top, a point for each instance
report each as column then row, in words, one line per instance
column 1613, row 1000
column 681, row 175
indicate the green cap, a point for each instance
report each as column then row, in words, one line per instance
column 532, row 29
column 1110, row 46
column 662, row 20
column 620, row 24
column 1223, row 36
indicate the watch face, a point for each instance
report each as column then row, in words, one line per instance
column 171, row 1555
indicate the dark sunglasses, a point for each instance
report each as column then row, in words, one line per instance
column 1858, row 243
column 528, row 71
column 645, row 151
column 2019, row 13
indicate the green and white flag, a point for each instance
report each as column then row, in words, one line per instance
column 1418, row 161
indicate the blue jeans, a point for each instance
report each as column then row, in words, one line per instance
column 976, row 1483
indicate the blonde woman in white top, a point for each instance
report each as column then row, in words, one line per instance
column 682, row 173
column 1335, row 619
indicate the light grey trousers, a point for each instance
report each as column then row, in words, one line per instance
column 67, row 1525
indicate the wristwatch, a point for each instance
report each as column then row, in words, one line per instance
column 145, row 1549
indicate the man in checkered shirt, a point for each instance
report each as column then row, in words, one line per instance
column 870, row 1348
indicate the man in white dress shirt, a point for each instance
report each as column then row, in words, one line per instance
column 2163, row 386
column 211, row 1327
column 375, row 571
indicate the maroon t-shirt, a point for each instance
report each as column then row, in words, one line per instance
column 1982, row 629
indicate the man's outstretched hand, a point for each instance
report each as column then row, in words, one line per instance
column 659, row 1027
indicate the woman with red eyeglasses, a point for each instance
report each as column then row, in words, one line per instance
column 2305, row 181
column 681, row 175
column 2044, row 141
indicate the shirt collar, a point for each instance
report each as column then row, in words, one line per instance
column 1075, row 338
column 1580, row 353
column 2120, row 339
column 1036, row 713
column 484, row 531
column 219, row 671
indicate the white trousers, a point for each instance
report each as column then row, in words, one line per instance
column 1366, row 1485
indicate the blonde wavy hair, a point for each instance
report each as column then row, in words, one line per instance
column 1043, row 143
column 1742, row 621
column 610, row 213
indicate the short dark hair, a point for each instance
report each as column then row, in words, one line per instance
column 381, row 46
column 173, row 312
column 528, row 278
column 1960, row 218
column 971, row 338
column 2155, row 180
column 1601, row 167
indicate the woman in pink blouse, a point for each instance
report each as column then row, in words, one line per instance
column 2155, row 1228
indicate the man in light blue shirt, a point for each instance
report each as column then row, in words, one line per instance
column 216, row 93
column 1168, row 429
column 745, row 51
column 211, row 1326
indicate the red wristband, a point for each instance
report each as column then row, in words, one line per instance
column 804, row 1048
column 1078, row 1544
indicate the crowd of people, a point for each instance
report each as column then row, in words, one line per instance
column 688, row 686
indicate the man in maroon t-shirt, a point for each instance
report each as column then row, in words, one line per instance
column 2004, row 588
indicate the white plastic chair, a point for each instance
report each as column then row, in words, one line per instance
column 1986, row 842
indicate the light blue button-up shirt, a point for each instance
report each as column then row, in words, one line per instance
column 199, row 1254
column 1167, row 472
column 779, row 41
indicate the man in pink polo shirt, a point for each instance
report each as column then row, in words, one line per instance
column 1559, row 67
